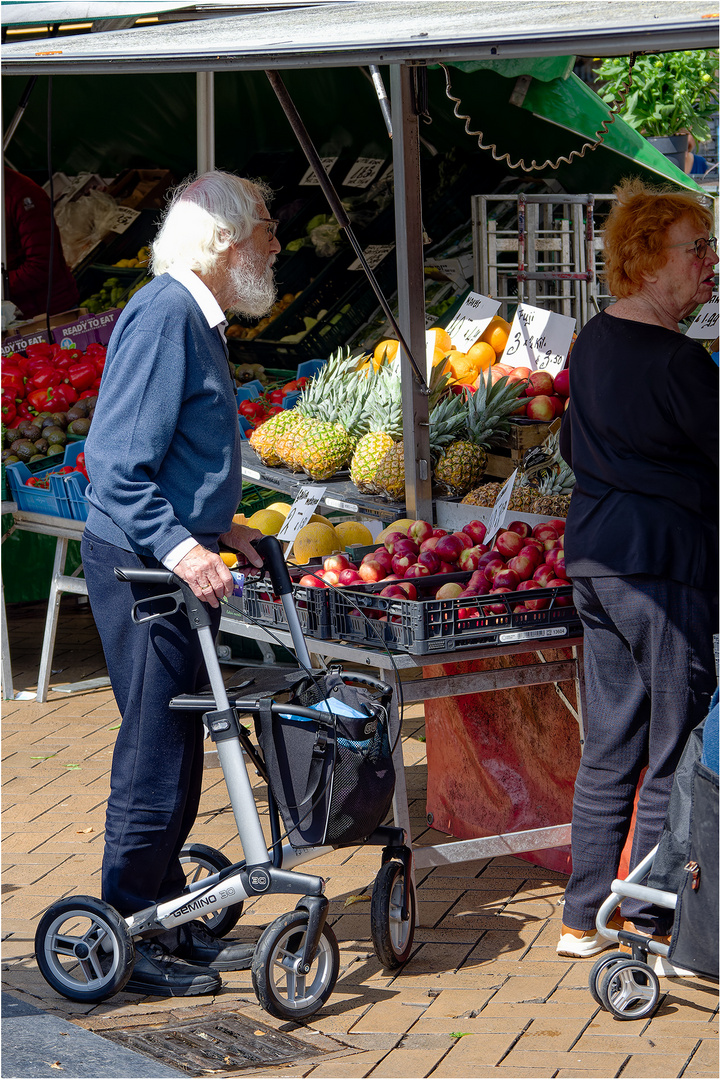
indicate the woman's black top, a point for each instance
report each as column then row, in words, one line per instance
column 641, row 435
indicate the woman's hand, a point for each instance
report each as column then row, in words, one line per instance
column 206, row 573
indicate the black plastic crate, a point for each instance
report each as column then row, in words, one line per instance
column 261, row 606
column 430, row 626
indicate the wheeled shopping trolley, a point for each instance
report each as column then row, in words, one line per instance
column 324, row 750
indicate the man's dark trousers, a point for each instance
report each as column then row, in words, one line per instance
column 157, row 765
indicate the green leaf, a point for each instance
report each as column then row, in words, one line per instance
column 72, row 765
column 41, row 757
column 114, row 727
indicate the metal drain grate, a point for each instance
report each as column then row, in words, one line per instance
column 217, row 1043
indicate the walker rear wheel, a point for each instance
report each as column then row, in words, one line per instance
column 598, row 971
column 392, row 937
column 200, row 862
column 283, row 990
column 630, row 990
column 84, row 949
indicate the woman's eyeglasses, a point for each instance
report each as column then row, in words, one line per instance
column 700, row 246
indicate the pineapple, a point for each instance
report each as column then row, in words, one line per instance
column 446, row 420
column 338, row 417
column 385, row 429
column 462, row 466
column 265, row 436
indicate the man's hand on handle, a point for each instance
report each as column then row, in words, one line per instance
column 207, row 574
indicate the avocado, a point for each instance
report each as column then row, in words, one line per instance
column 11, row 434
column 29, row 430
column 55, row 448
column 41, row 445
column 55, row 435
column 79, row 427
column 23, row 448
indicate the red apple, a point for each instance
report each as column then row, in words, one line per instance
column 506, row 579
column 519, row 374
column 522, row 565
column 449, row 548
column 464, row 538
column 558, row 524
column 499, row 608
column 371, row 570
column 391, row 540
column 350, row 577
column 533, row 552
column 476, row 530
column 469, row 613
column 560, row 383
column 429, row 559
column 409, row 589
column 331, row 576
column 420, row 531
column 401, row 547
column 469, row 558
column 558, row 404
column 448, row 568
column 449, row 591
column 394, row 592
column 494, row 567
column 540, row 408
column 543, row 574
column 544, row 531
column 509, row 543
column 337, row 562
column 382, row 556
column 560, row 566
column 417, row 570
column 560, row 601
column 313, row 581
column 539, row 382
column 429, row 544
column 402, row 562
column 521, row 527
column 438, row 533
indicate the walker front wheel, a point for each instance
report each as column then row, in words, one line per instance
column 283, row 990
column 392, row 937
column 84, row 949
column 630, row 990
column 598, row 971
column 200, row 862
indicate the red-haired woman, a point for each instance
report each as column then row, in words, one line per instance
column 641, row 435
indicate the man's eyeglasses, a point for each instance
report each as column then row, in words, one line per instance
column 700, row 246
column 271, row 226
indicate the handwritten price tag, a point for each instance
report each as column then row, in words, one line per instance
column 501, row 506
column 374, row 254
column 459, row 271
column 309, row 179
column 124, row 217
column 300, row 512
column 471, row 320
column 705, row 325
column 364, row 172
column 539, row 339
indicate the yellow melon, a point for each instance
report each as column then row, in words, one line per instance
column 402, row 525
column 322, row 520
column 270, row 522
column 280, row 507
column 353, row 532
column 313, row 541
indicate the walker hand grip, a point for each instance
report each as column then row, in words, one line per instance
column 270, row 551
column 142, row 575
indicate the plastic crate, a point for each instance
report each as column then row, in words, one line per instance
column 54, row 501
column 257, row 498
column 53, row 461
column 259, row 605
column 430, row 626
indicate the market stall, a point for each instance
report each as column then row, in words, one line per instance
column 457, row 33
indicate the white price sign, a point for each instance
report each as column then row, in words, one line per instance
column 309, row 179
column 124, row 217
column 459, row 271
column 705, row 325
column 538, row 340
column 300, row 512
column 501, row 506
column 471, row 320
column 364, row 172
column 374, row 254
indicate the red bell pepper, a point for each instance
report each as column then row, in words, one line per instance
column 24, row 412
column 15, row 385
column 9, row 412
column 49, row 399
column 44, row 377
column 14, row 359
column 39, row 349
column 36, row 362
column 87, row 393
column 82, row 375
column 69, row 393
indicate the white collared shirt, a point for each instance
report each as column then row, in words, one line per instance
column 216, row 318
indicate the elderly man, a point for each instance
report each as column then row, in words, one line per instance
column 163, row 457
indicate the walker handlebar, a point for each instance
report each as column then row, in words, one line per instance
column 270, row 551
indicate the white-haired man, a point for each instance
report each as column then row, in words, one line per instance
column 163, row 457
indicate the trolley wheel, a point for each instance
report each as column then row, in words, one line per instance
column 84, row 949
column 392, row 938
column 597, row 972
column 202, row 861
column 630, row 989
column 282, row 990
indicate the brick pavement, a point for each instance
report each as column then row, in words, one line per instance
column 484, row 993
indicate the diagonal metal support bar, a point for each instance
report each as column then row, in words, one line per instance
column 306, row 143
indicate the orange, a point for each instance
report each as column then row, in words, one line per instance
column 439, row 359
column 440, row 338
column 389, row 347
column 462, row 368
column 482, row 355
column 496, row 334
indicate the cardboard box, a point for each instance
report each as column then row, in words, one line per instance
column 79, row 333
column 141, row 188
column 35, row 330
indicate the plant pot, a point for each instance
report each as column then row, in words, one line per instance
column 673, row 147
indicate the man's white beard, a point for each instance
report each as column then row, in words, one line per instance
column 253, row 285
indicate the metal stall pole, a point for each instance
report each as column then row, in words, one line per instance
column 205, row 116
column 411, row 294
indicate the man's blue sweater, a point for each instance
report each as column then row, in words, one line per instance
column 163, row 451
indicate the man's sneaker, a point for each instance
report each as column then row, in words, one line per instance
column 663, row 967
column 580, row 944
column 159, row 973
column 199, row 946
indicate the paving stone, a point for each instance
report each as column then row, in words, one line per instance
column 408, row 1063
column 388, row 1016
column 607, row 1063
column 642, row 1044
column 358, row 1065
column 645, row 1065
column 473, row 1052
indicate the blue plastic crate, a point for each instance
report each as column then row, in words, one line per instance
column 53, row 501
column 248, row 391
column 75, row 485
